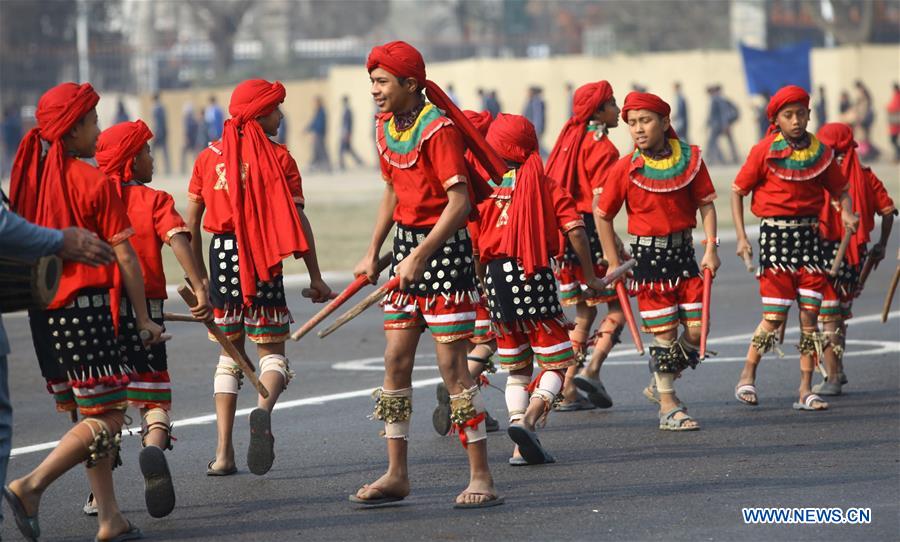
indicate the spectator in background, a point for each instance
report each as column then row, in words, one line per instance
column 570, row 98
column 482, row 98
column 762, row 118
column 160, row 133
column 821, row 107
column 318, row 127
column 202, row 133
column 282, row 137
column 121, row 112
column 12, row 134
column 722, row 115
column 535, row 112
column 865, row 111
column 680, row 116
column 347, row 133
column 451, row 93
column 492, row 105
column 214, row 120
column 845, row 106
column 189, row 147
column 893, row 110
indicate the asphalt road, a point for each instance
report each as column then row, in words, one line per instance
column 617, row 477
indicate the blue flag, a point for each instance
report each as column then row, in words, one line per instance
column 769, row 70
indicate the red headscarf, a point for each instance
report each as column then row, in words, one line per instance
column 532, row 232
column 839, row 137
column 117, row 147
column 265, row 220
column 651, row 102
column 481, row 121
column 785, row 95
column 42, row 196
column 403, row 60
column 564, row 156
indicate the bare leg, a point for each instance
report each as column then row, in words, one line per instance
column 399, row 357
column 808, row 323
column 156, row 436
column 272, row 380
column 748, row 373
column 668, row 400
column 226, row 405
column 584, row 319
column 609, row 329
column 832, row 364
column 452, row 364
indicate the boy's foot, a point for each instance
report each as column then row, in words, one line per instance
column 386, row 489
column 440, row 418
column 261, row 451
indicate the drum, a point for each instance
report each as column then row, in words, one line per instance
column 28, row 285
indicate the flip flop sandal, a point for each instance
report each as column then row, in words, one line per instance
column 668, row 422
column 595, row 391
column 90, row 507
column 133, row 533
column 491, row 425
column 210, row 471
column 261, row 451
column 159, row 494
column 807, row 403
column 28, row 526
column 574, row 406
column 828, row 388
column 495, row 501
column 843, row 378
column 746, row 389
column 440, row 418
column 384, row 499
column 517, row 461
column 529, row 445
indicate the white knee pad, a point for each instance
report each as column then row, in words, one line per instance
column 228, row 376
column 394, row 408
column 549, row 386
column 665, row 382
column 278, row 364
column 157, row 418
column 517, row 396
column 467, row 414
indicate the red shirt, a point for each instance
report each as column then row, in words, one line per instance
column 95, row 207
column 597, row 156
column 421, row 187
column 654, row 213
column 209, row 187
column 155, row 220
column 492, row 223
column 775, row 196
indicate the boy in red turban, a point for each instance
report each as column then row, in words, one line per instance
column 74, row 336
column 519, row 230
column 869, row 199
column 123, row 153
column 579, row 163
column 249, row 187
column 786, row 172
column 428, row 193
column 663, row 184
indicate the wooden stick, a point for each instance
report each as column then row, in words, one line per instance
column 370, row 300
column 889, row 298
column 613, row 274
column 175, row 317
column 351, row 290
column 704, row 310
column 748, row 262
column 839, row 256
column 233, row 351
column 866, row 271
column 629, row 317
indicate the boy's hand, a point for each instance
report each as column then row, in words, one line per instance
column 368, row 266
column 152, row 333
column 318, row 291
column 711, row 261
column 410, row 270
column 203, row 310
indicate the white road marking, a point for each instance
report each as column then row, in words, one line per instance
column 884, row 347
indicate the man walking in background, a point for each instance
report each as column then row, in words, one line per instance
column 318, row 127
column 160, row 133
column 347, row 135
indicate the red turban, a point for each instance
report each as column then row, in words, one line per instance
column 266, row 223
column 403, row 60
column 839, row 137
column 117, row 147
column 481, row 121
column 40, row 196
column 651, row 102
column 564, row 156
column 531, row 236
column 785, row 95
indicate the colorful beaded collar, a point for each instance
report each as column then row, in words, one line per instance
column 666, row 174
column 793, row 164
column 401, row 148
